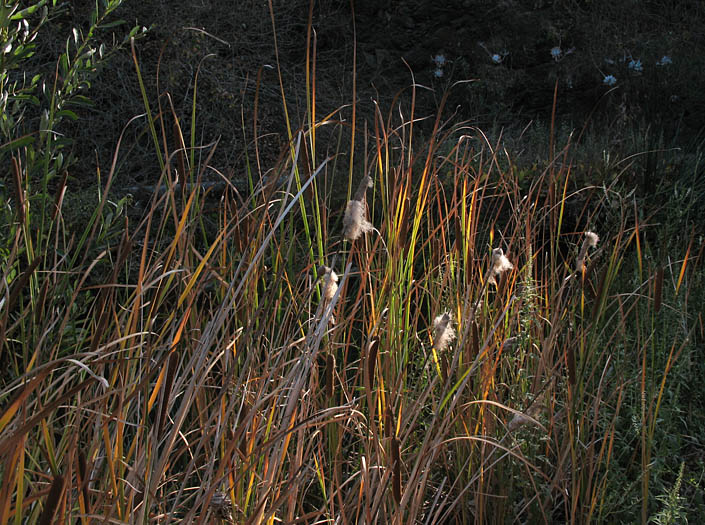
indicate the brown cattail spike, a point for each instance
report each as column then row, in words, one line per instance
column 474, row 348
column 570, row 363
column 222, row 507
column 365, row 183
column 330, row 368
column 51, row 505
column 658, row 292
column 396, row 469
column 372, row 348
column 591, row 240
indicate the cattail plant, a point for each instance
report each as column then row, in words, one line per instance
column 360, row 407
column 396, row 469
column 443, row 332
column 591, row 240
column 530, row 415
column 355, row 222
column 222, row 507
column 499, row 265
column 330, row 287
column 330, row 284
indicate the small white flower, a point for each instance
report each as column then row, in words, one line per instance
column 439, row 60
column 664, row 61
column 635, row 65
column 438, row 72
column 609, row 80
column 496, row 58
column 556, row 53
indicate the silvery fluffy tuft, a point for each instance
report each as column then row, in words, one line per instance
column 330, row 284
column 500, row 264
column 355, row 222
column 443, row 332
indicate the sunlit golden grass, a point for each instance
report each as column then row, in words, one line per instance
column 203, row 371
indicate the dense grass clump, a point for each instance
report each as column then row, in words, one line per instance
column 408, row 332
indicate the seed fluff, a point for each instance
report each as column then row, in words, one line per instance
column 443, row 332
column 591, row 240
column 500, row 264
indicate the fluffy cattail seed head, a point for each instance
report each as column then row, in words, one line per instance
column 330, row 284
column 443, row 332
column 499, row 264
column 354, row 223
column 591, row 240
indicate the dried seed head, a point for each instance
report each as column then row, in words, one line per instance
column 591, row 240
column 365, row 183
column 510, row 343
column 500, row 264
column 443, row 332
column 221, row 506
column 530, row 415
column 330, row 284
column 517, row 421
column 354, row 223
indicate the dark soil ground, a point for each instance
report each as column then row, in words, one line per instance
column 499, row 62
